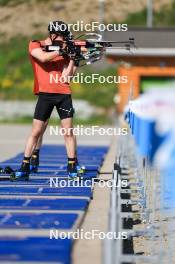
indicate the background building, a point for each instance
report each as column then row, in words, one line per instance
column 151, row 64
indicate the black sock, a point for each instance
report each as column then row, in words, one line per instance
column 76, row 161
column 35, row 158
column 26, row 159
column 36, row 151
column 25, row 166
column 35, row 154
column 71, row 163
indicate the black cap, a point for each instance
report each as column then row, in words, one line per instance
column 58, row 27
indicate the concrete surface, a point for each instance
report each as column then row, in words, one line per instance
column 13, row 139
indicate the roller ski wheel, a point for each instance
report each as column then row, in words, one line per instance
column 1, row 170
column 80, row 169
column 19, row 176
column 34, row 168
column 73, row 176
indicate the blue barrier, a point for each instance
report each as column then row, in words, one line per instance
column 151, row 120
column 168, row 176
column 145, row 135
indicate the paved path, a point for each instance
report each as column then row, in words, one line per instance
column 13, row 139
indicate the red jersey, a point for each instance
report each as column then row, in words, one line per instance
column 47, row 75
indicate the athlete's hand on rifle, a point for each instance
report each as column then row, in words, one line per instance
column 90, row 49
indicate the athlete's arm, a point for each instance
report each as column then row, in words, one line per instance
column 43, row 56
column 69, row 71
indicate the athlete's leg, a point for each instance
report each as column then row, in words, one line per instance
column 65, row 110
column 42, row 113
column 80, row 168
column 24, row 171
column 35, row 159
column 39, row 143
column 40, row 140
column 38, row 129
column 70, row 143
column 69, row 138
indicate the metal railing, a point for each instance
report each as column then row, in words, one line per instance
column 144, row 192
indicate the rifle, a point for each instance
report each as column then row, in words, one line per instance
column 87, row 49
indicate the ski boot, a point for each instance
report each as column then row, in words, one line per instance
column 72, row 170
column 34, row 163
column 22, row 174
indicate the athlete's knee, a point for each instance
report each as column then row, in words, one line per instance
column 68, row 132
column 36, row 132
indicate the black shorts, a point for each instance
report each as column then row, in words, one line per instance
column 46, row 103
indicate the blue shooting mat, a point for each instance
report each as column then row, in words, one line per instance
column 57, row 158
column 63, row 168
column 29, row 216
column 51, row 163
column 43, row 178
column 33, row 181
column 90, row 174
column 89, row 167
column 81, row 149
column 35, row 249
column 52, row 181
column 59, row 150
column 52, row 173
column 62, row 174
column 38, row 220
column 67, row 191
column 43, row 204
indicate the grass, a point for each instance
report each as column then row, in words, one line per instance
column 137, row 19
column 96, row 93
column 15, row 71
column 16, row 2
column 163, row 18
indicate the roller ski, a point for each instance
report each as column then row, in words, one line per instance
column 34, row 163
column 72, row 170
column 22, row 174
column 6, row 171
column 80, row 169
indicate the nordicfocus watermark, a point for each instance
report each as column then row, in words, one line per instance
column 87, row 235
column 81, row 130
column 56, row 182
column 82, row 78
column 94, row 26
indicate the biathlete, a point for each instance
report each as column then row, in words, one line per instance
column 50, row 95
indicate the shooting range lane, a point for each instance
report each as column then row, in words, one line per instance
column 29, row 210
